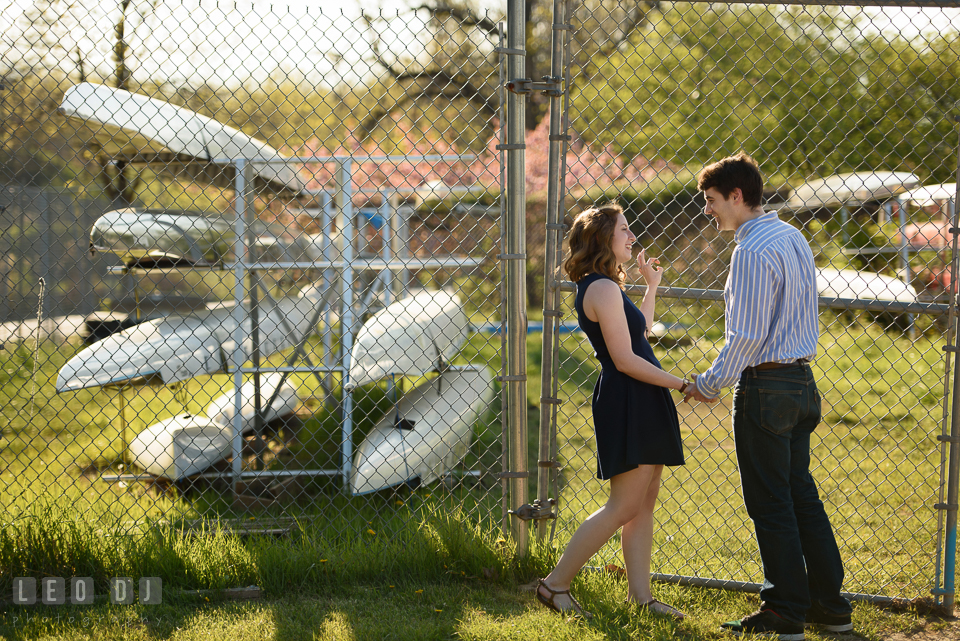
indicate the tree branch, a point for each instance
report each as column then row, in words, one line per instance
column 465, row 17
column 427, row 84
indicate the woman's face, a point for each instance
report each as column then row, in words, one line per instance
column 622, row 242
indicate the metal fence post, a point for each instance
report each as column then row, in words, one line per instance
column 244, row 201
column 516, row 307
column 552, row 251
column 345, row 224
column 948, row 591
column 952, row 442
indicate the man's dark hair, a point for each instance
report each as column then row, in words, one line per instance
column 734, row 172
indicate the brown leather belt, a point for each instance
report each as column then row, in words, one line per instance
column 763, row 366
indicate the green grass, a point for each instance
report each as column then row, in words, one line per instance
column 876, row 457
column 440, row 577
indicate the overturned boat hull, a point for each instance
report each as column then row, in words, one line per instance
column 179, row 347
column 431, row 435
column 411, row 337
column 180, row 446
column 222, row 410
column 851, row 283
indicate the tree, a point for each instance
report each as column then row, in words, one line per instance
column 118, row 180
column 807, row 92
column 53, row 44
column 459, row 67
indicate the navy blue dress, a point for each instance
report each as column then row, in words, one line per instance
column 635, row 423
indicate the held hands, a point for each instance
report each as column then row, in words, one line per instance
column 648, row 269
column 694, row 392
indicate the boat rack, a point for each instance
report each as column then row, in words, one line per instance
column 337, row 265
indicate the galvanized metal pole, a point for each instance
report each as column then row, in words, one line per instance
column 953, row 441
column 328, row 282
column 344, row 208
column 551, row 294
column 250, row 216
column 386, row 214
column 948, row 591
column 243, row 200
column 515, row 243
column 502, row 308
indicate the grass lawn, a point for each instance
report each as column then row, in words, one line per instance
column 441, row 578
column 440, row 611
column 428, row 562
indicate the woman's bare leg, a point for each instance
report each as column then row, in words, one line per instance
column 628, row 494
column 636, row 541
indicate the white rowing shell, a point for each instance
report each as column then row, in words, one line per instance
column 157, row 239
column 437, row 419
column 173, row 139
column 850, row 189
column 180, row 446
column 850, row 283
column 179, row 347
column 223, row 408
column 409, row 337
column 185, row 444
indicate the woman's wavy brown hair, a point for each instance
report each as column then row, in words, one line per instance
column 590, row 241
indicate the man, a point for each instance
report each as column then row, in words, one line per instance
column 771, row 335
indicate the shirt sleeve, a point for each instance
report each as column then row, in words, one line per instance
column 749, row 300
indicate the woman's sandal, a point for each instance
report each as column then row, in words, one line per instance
column 577, row 609
column 660, row 607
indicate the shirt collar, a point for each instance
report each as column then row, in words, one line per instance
column 744, row 229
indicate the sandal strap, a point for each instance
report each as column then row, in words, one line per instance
column 553, row 592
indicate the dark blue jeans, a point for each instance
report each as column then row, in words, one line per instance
column 774, row 413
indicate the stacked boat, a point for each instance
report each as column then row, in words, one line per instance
column 186, row 444
column 428, row 431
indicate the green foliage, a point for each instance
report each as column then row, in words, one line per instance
column 655, row 207
column 805, row 93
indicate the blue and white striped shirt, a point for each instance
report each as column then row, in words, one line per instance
column 771, row 302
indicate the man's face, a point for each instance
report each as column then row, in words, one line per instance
column 724, row 210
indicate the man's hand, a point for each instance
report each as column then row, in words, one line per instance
column 694, row 392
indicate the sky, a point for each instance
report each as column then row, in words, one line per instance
column 191, row 41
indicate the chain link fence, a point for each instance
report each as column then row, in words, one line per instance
column 850, row 112
column 278, row 209
column 299, row 212
column 44, row 235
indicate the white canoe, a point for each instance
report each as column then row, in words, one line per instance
column 410, row 336
column 436, row 426
column 850, row 189
column 149, row 239
column 180, row 446
column 850, row 283
column 930, row 195
column 223, row 408
column 179, row 347
column 173, row 139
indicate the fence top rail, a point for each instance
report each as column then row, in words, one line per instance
column 860, row 304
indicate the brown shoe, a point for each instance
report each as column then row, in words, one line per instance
column 548, row 601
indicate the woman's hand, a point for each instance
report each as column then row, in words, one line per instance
column 648, row 269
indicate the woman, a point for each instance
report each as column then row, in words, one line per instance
column 635, row 419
